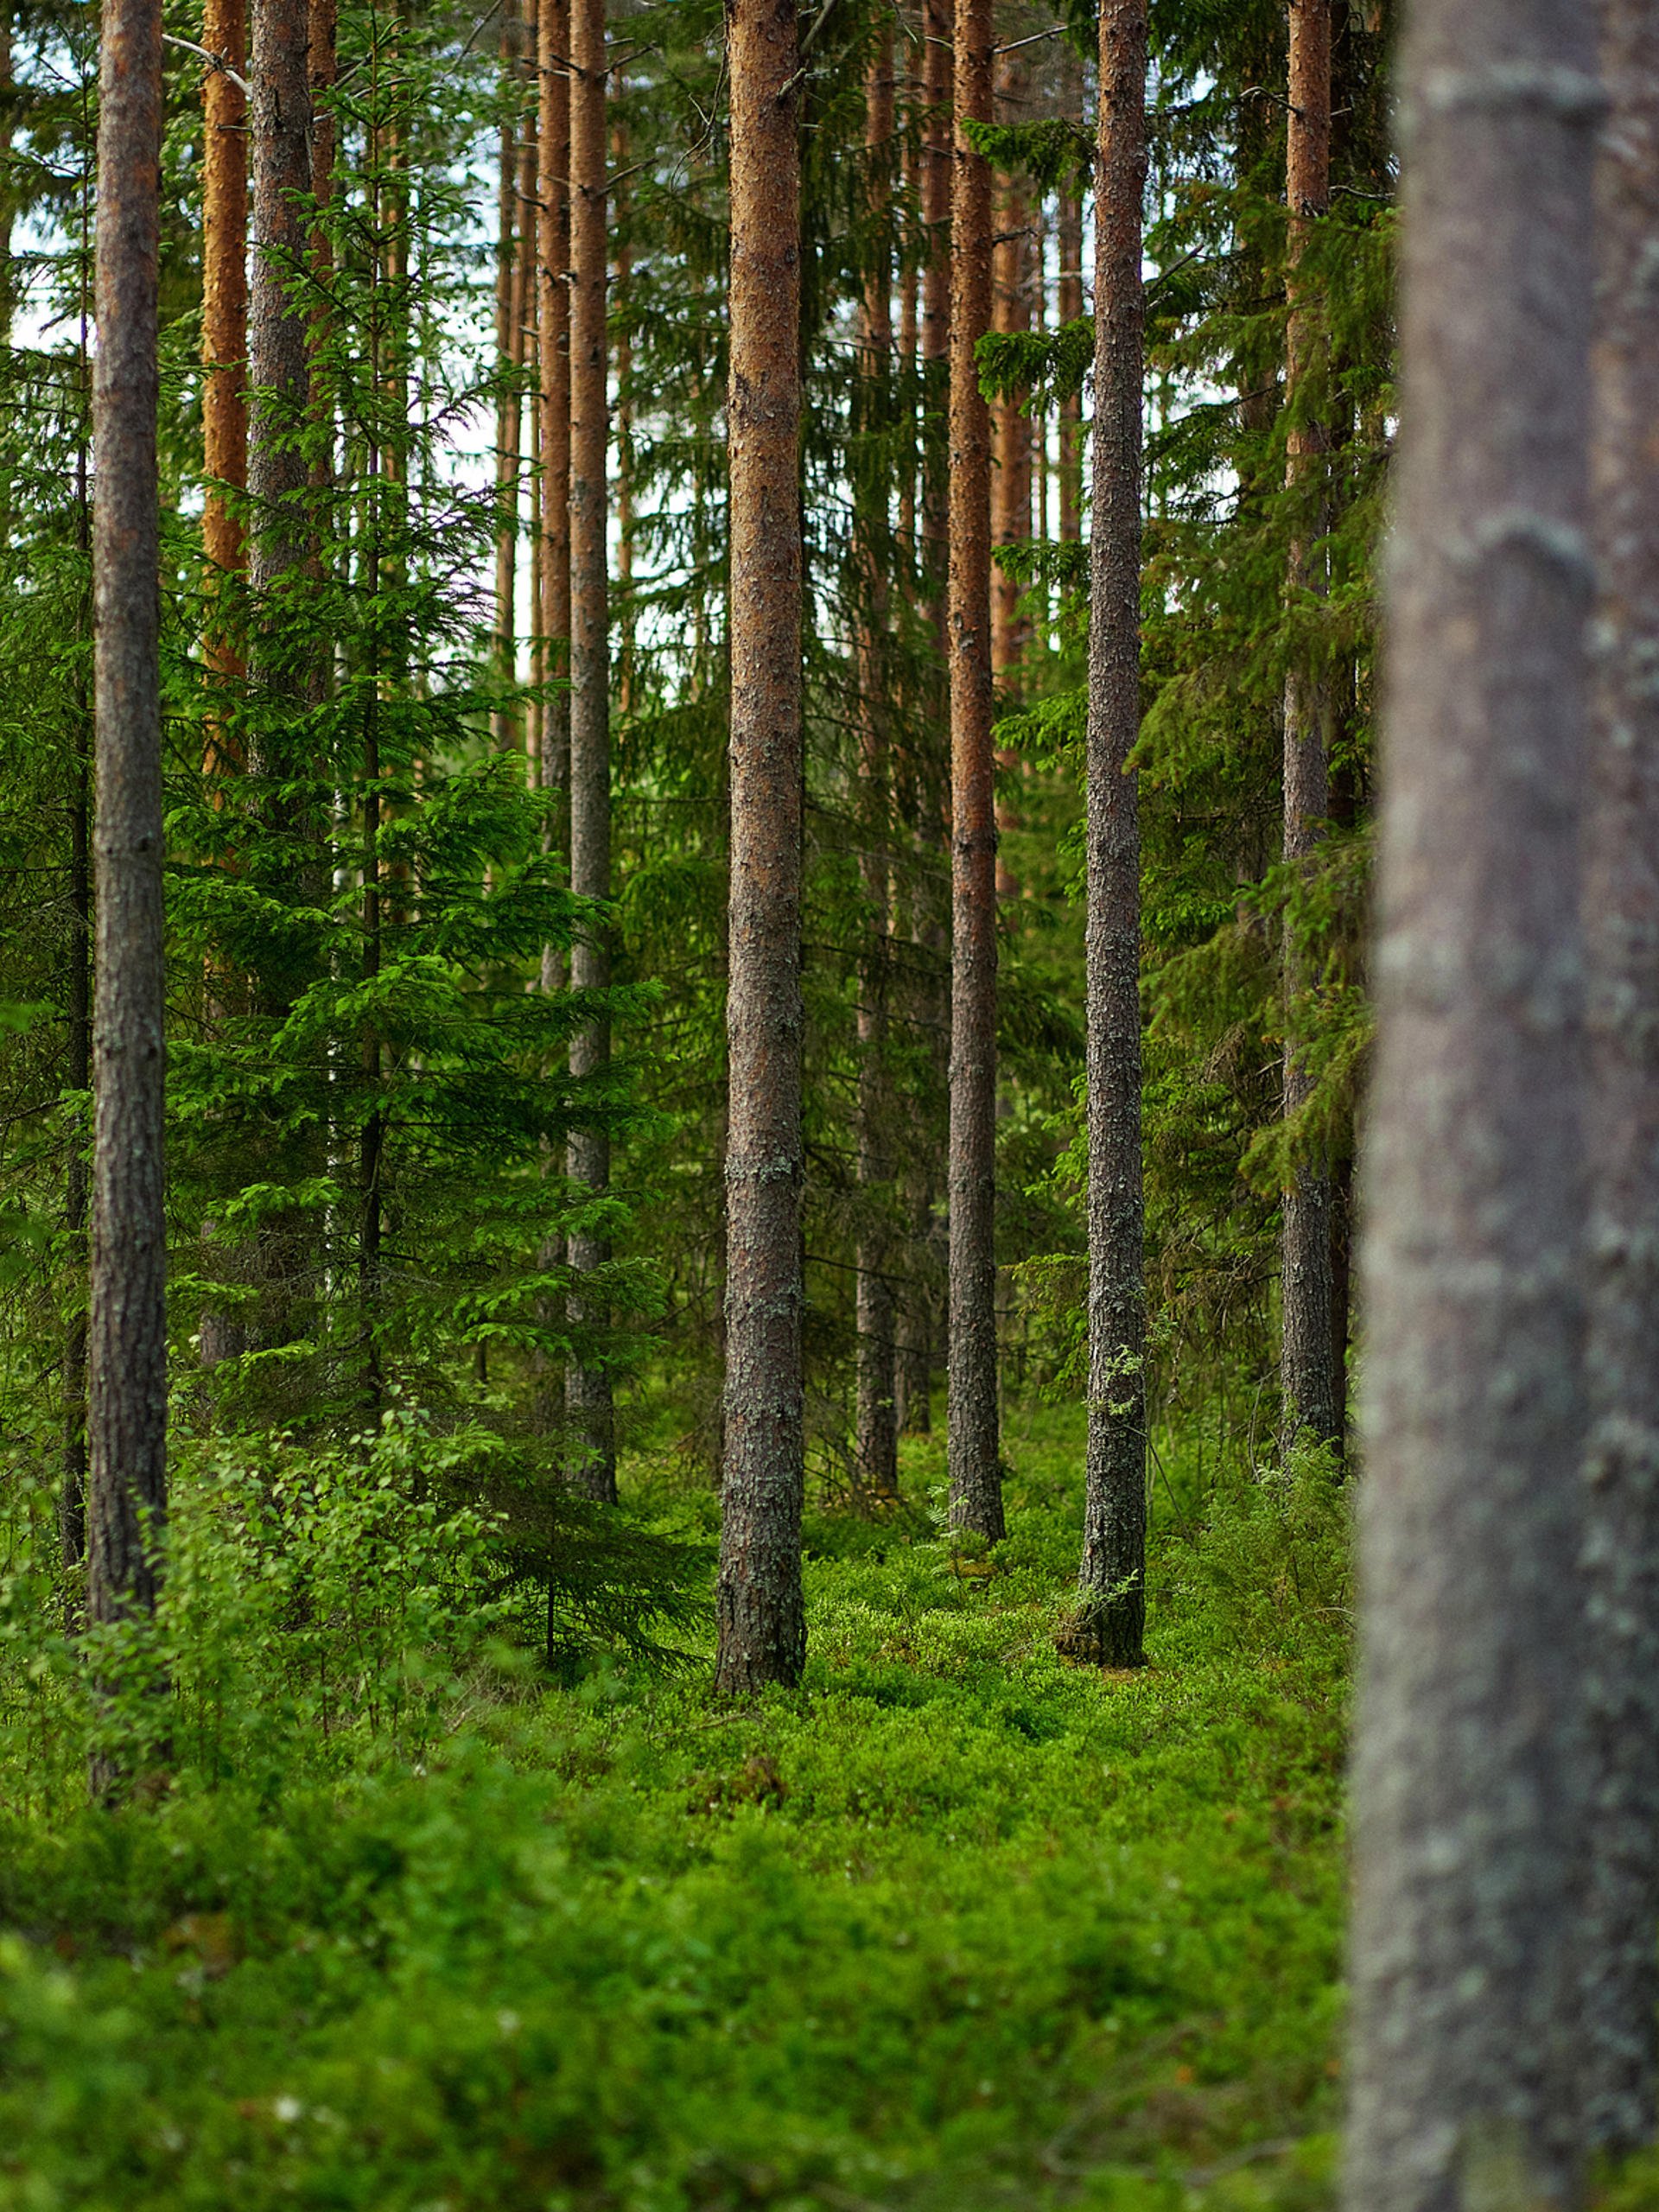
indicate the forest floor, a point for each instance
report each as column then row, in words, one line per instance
column 958, row 1926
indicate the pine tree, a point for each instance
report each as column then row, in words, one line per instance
column 1621, row 912
column 1468, row 1779
column 588, row 1386
column 976, row 1469
column 127, row 1335
column 758, row 1603
column 224, row 295
column 1112, row 1579
column 875, row 1434
column 510, row 221
column 1308, row 1387
column 552, row 258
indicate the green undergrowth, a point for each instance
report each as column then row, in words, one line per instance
column 956, row 1926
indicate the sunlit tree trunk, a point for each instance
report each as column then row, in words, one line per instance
column 1306, row 1377
column 1111, row 1618
column 758, row 1600
column 592, row 1464
column 1621, row 911
column 127, row 1371
column 976, row 1471
column 1469, row 1829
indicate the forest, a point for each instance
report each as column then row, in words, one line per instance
column 829, row 1105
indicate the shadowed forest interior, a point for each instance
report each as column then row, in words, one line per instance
column 829, row 1013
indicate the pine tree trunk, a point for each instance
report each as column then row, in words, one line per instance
column 508, row 412
column 72, row 1510
column 1469, row 1820
column 553, row 620
column 759, row 1605
column 1011, row 294
column 526, row 294
column 621, row 286
column 936, row 168
column 322, row 27
column 587, row 1396
column 224, row 308
column 1621, row 912
column 552, row 255
column 976, row 1471
column 1111, row 1618
column 1068, row 304
column 876, row 1440
column 1307, row 1379
column 918, row 1321
column 280, row 139
column 127, row 1393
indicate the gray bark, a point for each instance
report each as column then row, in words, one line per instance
column 1111, row 1618
column 1621, row 913
column 1468, row 1788
column 587, row 1386
column 1307, row 1383
column 976, row 1469
column 876, row 1428
column 758, row 1601
column 127, row 1329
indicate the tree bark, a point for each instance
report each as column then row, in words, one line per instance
column 280, row 134
column 552, row 255
column 1306, row 1380
column 1068, row 305
column 508, row 407
column 127, row 1334
column 621, row 286
column 757, row 1602
column 322, row 28
column 876, row 1436
column 919, row 1320
column 976, row 1471
column 1468, row 1785
column 72, row 1511
column 1621, row 912
column 223, row 312
column 1111, row 1619
column 1011, row 292
column 588, row 1393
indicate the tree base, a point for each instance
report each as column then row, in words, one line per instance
column 1110, row 1635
